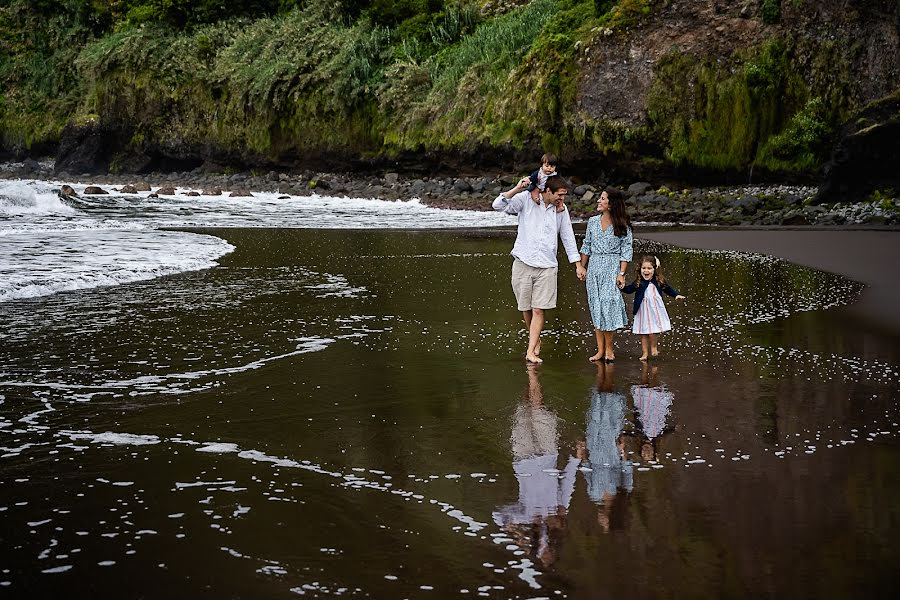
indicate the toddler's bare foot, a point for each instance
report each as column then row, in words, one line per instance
column 643, row 357
column 596, row 357
column 654, row 353
column 533, row 358
column 610, row 358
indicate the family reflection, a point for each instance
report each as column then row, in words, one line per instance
column 652, row 408
column 537, row 522
column 610, row 472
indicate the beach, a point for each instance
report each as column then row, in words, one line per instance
column 866, row 256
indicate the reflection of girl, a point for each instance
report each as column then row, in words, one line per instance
column 606, row 251
column 650, row 316
column 652, row 406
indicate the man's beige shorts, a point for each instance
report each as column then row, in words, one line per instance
column 534, row 287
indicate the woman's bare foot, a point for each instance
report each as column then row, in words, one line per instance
column 537, row 349
column 533, row 358
column 596, row 357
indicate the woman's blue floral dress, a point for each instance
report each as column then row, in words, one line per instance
column 605, row 251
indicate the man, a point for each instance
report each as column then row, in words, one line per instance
column 534, row 268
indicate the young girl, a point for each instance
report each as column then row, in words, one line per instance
column 650, row 316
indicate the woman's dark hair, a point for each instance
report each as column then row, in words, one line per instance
column 617, row 213
column 657, row 271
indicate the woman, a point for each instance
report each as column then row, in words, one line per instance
column 606, row 251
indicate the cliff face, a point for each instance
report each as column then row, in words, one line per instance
column 862, row 36
column 721, row 89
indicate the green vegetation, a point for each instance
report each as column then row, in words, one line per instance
column 275, row 79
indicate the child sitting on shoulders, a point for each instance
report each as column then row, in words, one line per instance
column 650, row 316
column 539, row 178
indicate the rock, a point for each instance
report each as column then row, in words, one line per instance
column 68, row 191
column 746, row 12
column 284, row 197
column 240, row 194
column 580, row 190
column 128, row 189
column 212, row 192
column 166, row 191
column 153, row 195
column 417, row 188
column 142, row 186
column 85, row 148
column 94, row 190
column 192, row 193
column 641, row 187
column 461, row 185
column 588, row 196
column 391, row 178
column 29, row 165
column 748, row 204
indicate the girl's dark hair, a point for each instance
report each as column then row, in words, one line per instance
column 657, row 271
column 617, row 213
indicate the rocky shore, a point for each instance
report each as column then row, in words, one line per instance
column 762, row 205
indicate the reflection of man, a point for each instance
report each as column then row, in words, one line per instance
column 537, row 520
column 535, row 266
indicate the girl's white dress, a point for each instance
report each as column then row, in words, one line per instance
column 651, row 316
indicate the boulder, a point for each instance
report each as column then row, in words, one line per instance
column 166, row 191
column 128, row 189
column 588, row 196
column 580, row 190
column 461, row 185
column 142, row 186
column 68, row 191
column 417, row 188
column 192, row 193
column 212, row 192
column 240, row 194
column 391, row 178
column 94, row 190
column 748, row 204
column 641, row 187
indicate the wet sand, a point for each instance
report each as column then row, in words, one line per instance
column 864, row 256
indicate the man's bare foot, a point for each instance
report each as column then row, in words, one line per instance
column 537, row 349
column 533, row 358
column 643, row 357
column 596, row 357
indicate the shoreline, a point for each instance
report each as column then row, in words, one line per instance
column 848, row 253
column 748, row 206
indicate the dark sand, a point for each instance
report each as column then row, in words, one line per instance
column 868, row 257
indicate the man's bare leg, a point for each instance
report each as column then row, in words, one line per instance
column 526, row 314
column 534, row 335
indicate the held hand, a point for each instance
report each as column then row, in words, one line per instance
column 580, row 272
column 523, row 183
column 620, row 281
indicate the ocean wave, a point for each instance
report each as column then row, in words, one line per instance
column 32, row 266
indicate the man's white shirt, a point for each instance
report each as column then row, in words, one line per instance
column 539, row 228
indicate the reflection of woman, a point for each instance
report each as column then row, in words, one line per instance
column 538, row 520
column 652, row 406
column 605, row 443
column 606, row 251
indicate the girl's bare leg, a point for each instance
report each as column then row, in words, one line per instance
column 609, row 350
column 601, row 346
column 645, row 346
column 654, row 350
